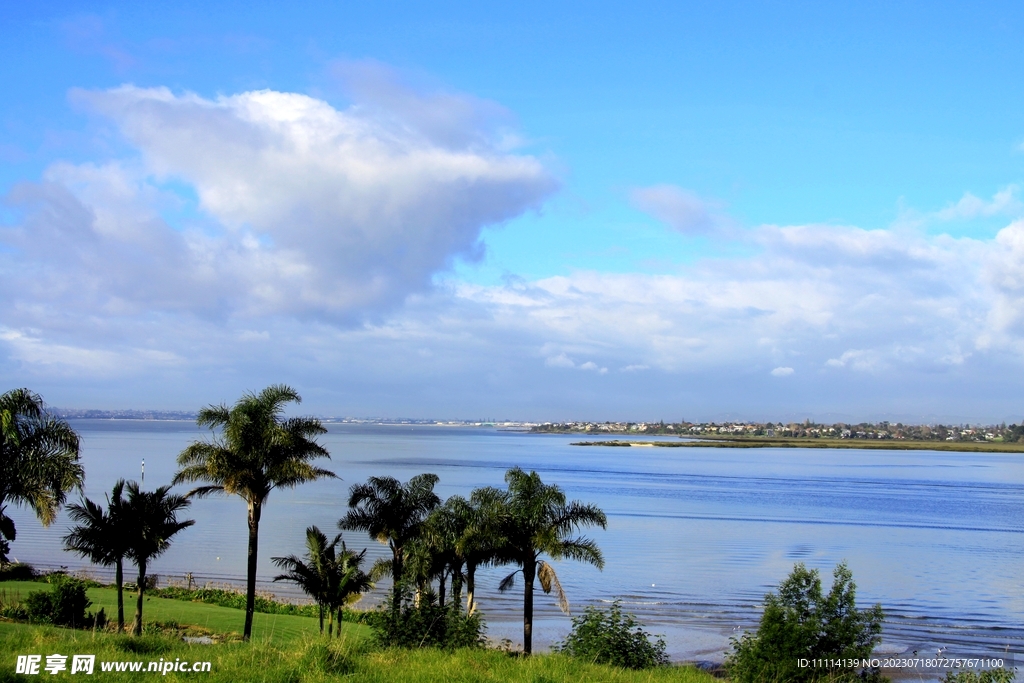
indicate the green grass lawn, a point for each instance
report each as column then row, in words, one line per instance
column 309, row 659
column 280, row 629
column 284, row 649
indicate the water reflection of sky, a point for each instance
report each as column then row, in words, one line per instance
column 696, row 536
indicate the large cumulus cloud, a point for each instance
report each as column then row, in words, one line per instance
column 302, row 209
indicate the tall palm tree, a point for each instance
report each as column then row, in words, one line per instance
column 536, row 520
column 39, row 461
column 153, row 520
column 391, row 513
column 256, row 451
column 480, row 540
column 103, row 537
column 328, row 576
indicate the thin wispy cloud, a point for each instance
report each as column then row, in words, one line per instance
column 682, row 210
column 1003, row 203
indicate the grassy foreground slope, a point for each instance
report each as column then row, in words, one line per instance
column 311, row 660
column 281, row 629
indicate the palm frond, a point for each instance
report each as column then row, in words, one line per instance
column 579, row 549
column 548, row 580
column 508, row 582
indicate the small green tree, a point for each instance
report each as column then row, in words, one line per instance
column 989, row 676
column 801, row 623
column 611, row 637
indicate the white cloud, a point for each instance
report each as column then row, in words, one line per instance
column 563, row 361
column 680, row 209
column 1003, row 203
column 317, row 231
column 305, row 210
column 67, row 360
column 559, row 361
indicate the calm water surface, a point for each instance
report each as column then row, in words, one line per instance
column 695, row 536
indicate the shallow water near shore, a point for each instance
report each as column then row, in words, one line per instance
column 695, row 536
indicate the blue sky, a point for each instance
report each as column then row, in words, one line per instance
column 545, row 211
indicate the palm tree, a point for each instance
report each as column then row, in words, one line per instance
column 103, row 537
column 256, row 452
column 152, row 521
column 480, row 540
column 39, row 461
column 391, row 513
column 444, row 528
column 328, row 576
column 536, row 520
column 347, row 581
column 310, row 576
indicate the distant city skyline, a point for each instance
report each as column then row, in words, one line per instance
column 649, row 212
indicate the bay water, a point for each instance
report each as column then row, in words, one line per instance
column 695, row 537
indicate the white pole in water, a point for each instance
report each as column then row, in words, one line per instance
column 143, row 470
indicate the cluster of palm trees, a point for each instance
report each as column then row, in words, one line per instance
column 431, row 541
column 252, row 450
column 137, row 527
column 40, row 464
column 331, row 574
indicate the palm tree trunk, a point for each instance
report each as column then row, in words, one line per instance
column 457, row 590
column 529, row 572
column 255, row 509
column 330, row 622
column 339, row 620
column 138, row 602
column 470, row 589
column 440, row 589
column 396, row 594
column 119, row 580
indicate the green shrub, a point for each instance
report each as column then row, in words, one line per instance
column 17, row 571
column 425, row 625
column 39, row 607
column 799, row 622
column 611, row 637
column 235, row 599
column 990, row 676
column 64, row 604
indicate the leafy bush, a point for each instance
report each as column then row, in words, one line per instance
column 64, row 604
column 17, row 571
column 990, row 676
column 39, row 607
column 613, row 638
column 801, row 623
column 425, row 625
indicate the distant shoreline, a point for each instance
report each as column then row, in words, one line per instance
column 769, row 442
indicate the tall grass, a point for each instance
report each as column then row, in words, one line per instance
column 312, row 659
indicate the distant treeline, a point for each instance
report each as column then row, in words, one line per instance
column 75, row 413
column 811, row 430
